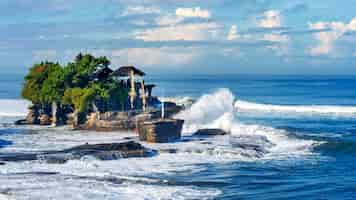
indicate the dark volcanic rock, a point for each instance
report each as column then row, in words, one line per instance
column 256, row 143
column 17, row 157
column 210, row 132
column 110, row 151
column 170, row 151
column 45, row 120
column 33, row 115
column 21, row 122
column 172, row 109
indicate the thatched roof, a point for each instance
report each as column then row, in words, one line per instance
column 125, row 71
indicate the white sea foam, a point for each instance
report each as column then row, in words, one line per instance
column 298, row 109
column 210, row 110
column 13, row 107
column 216, row 111
column 144, row 178
column 75, row 187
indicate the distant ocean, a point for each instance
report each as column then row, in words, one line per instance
column 298, row 135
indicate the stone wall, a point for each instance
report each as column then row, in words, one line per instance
column 160, row 131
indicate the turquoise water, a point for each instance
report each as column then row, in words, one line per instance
column 310, row 120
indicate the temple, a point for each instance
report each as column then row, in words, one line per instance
column 133, row 108
column 131, row 79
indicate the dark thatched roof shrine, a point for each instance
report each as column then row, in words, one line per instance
column 125, row 71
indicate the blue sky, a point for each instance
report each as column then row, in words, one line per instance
column 184, row 36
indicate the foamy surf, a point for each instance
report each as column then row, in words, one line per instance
column 13, row 107
column 216, row 110
column 297, row 109
column 146, row 178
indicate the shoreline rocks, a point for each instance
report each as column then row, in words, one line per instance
column 33, row 115
column 21, row 122
column 210, row 132
column 109, row 151
column 45, row 120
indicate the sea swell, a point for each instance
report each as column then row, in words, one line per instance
column 297, row 109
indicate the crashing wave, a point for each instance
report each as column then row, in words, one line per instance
column 209, row 111
column 216, row 110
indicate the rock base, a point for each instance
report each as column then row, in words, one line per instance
column 160, row 131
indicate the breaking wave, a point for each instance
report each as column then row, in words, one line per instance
column 217, row 111
column 297, row 109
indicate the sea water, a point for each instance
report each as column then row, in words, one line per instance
column 298, row 136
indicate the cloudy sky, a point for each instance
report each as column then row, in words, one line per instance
column 184, row 36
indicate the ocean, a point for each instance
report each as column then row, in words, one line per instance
column 300, row 132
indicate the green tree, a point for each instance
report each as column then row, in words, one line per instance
column 80, row 98
column 53, row 87
column 117, row 93
column 80, row 72
column 74, row 85
column 36, row 82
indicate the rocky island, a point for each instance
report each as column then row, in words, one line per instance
column 88, row 95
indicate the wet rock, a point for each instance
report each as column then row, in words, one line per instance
column 256, row 143
column 33, row 115
column 17, row 157
column 111, row 151
column 210, row 132
column 21, row 122
column 45, row 120
column 170, row 151
column 114, row 121
column 2, row 163
column 172, row 109
column 160, row 131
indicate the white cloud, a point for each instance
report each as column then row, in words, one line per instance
column 271, row 19
column 233, row 33
column 168, row 20
column 146, row 56
column 189, row 32
column 140, row 10
column 193, row 12
column 139, row 22
column 171, row 29
column 273, row 37
column 156, row 56
column 327, row 39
